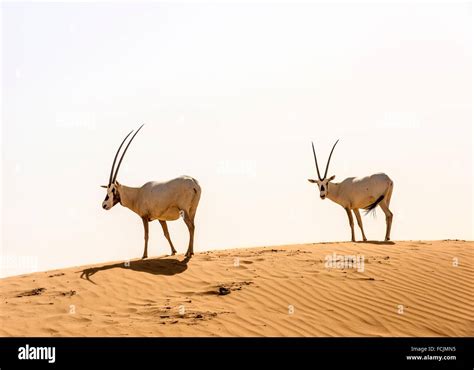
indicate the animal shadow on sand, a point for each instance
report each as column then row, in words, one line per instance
column 155, row 266
column 377, row 242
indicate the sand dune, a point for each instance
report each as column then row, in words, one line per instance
column 406, row 288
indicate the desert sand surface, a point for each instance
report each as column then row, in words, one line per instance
column 409, row 288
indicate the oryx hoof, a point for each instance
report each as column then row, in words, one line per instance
column 365, row 239
column 144, row 256
column 173, row 253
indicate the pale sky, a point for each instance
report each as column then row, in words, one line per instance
column 231, row 95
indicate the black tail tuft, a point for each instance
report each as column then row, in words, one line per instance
column 371, row 208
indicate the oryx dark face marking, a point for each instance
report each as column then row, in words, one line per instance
column 323, row 188
column 112, row 197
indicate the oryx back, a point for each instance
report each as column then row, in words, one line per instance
column 361, row 192
column 165, row 200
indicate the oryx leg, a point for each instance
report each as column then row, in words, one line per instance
column 164, row 226
column 359, row 222
column 145, row 226
column 190, row 224
column 351, row 222
column 388, row 195
column 388, row 218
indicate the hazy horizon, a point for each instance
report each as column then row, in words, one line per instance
column 232, row 95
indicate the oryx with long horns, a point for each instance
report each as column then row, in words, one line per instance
column 354, row 193
column 162, row 201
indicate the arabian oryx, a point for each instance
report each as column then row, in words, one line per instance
column 354, row 193
column 162, row 201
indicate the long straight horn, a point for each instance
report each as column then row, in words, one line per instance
column 329, row 159
column 115, row 159
column 125, row 151
column 316, row 161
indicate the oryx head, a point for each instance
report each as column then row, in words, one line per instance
column 113, row 196
column 323, row 181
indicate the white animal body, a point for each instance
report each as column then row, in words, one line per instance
column 162, row 201
column 357, row 193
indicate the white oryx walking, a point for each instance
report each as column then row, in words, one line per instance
column 354, row 193
column 162, row 201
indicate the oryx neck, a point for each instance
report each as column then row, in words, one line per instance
column 128, row 197
column 333, row 191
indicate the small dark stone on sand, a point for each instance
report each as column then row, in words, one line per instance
column 223, row 291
